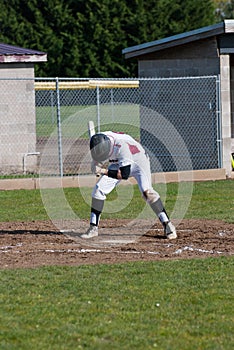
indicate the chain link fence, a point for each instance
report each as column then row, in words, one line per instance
column 44, row 122
column 183, row 114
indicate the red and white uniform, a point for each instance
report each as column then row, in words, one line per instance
column 125, row 151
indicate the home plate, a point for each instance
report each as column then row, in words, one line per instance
column 112, row 235
column 106, row 237
column 118, row 241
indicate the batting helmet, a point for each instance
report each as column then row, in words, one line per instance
column 100, row 146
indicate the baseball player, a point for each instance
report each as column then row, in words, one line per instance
column 126, row 158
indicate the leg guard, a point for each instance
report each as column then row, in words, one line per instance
column 154, row 200
column 96, row 210
column 159, row 210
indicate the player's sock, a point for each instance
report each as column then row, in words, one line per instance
column 96, row 210
column 160, row 211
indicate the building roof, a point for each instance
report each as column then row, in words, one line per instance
column 227, row 26
column 9, row 53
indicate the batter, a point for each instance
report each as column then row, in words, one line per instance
column 127, row 158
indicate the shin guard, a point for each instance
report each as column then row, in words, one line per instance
column 96, row 210
column 159, row 210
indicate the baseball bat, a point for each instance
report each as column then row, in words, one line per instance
column 91, row 131
column 91, row 128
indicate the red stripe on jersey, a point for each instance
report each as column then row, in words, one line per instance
column 133, row 149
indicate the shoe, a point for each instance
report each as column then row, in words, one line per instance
column 92, row 232
column 170, row 231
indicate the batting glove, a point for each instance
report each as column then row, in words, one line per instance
column 100, row 171
column 97, row 168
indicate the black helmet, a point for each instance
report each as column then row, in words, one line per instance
column 100, row 146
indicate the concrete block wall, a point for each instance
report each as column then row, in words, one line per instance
column 225, row 74
column 232, row 104
column 193, row 59
column 17, row 117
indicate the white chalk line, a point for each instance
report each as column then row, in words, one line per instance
column 7, row 249
column 179, row 251
column 10, row 248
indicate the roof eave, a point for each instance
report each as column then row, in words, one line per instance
column 23, row 58
column 180, row 39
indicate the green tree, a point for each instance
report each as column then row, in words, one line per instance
column 220, row 9
column 228, row 10
column 85, row 38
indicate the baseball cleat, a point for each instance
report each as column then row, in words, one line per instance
column 92, row 232
column 170, row 231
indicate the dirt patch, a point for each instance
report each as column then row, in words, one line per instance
column 26, row 245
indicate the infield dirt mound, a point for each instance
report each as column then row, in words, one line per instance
column 33, row 244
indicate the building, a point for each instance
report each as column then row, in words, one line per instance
column 203, row 52
column 17, row 108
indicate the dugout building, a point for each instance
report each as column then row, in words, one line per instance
column 207, row 109
column 17, row 108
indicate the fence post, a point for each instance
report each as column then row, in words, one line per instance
column 59, row 129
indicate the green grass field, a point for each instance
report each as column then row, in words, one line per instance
column 210, row 200
column 163, row 305
column 74, row 119
column 179, row 304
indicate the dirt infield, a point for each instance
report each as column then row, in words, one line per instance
column 27, row 245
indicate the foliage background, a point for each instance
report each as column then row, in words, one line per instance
column 85, row 38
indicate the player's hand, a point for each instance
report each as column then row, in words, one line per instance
column 95, row 166
column 100, row 171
